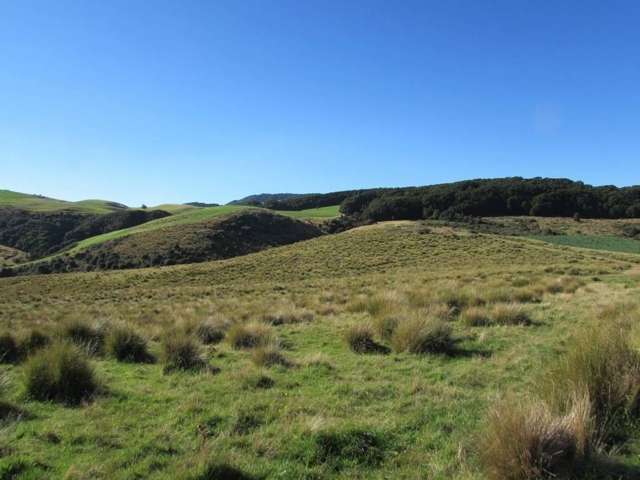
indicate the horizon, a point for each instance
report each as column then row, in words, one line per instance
column 297, row 193
column 211, row 103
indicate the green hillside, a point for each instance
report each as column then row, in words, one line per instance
column 304, row 402
column 36, row 203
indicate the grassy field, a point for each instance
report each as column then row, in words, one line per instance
column 314, row 213
column 325, row 411
column 43, row 204
column 596, row 242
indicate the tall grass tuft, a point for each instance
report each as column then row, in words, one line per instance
column 602, row 364
column 88, row 336
column 181, row 351
column 126, row 345
column 529, row 442
column 423, row 335
column 9, row 352
column 249, row 335
column 60, row 372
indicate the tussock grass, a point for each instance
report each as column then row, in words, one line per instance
column 60, row 372
column 340, row 448
column 212, row 331
column 384, row 326
column 9, row 352
column 90, row 337
column 602, row 364
column 288, row 315
column 359, row 337
column 219, row 470
column 509, row 314
column 423, row 335
column 476, row 317
column 528, row 442
column 269, row 356
column 32, row 341
column 181, row 351
column 250, row 335
column 126, row 345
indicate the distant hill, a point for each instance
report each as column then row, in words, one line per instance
column 225, row 236
column 202, row 205
column 263, row 198
column 39, row 203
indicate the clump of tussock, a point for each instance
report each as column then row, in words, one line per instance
column 476, row 317
column 9, row 351
column 288, row 315
column 33, row 341
column 564, row 285
column 60, row 372
column 319, row 360
column 250, row 335
column 386, row 325
column 181, row 351
column 360, row 339
column 601, row 363
column 211, row 331
column 248, row 419
column 219, row 470
column 529, row 442
column 126, row 345
column 255, row 380
column 351, row 446
column 423, row 335
column 375, row 305
column 509, row 314
column 269, row 356
column 88, row 336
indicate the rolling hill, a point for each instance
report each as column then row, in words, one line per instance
column 321, row 409
column 38, row 203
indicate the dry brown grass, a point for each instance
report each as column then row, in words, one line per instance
column 250, row 335
column 269, row 356
column 528, row 442
column 602, row 363
column 421, row 335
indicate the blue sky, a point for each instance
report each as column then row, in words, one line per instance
column 176, row 101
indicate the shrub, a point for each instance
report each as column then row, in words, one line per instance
column 268, row 356
column 126, row 345
column 181, row 352
column 60, row 372
column 418, row 335
column 360, row 339
column 249, row 335
column 288, row 315
column 87, row 336
column 475, row 317
column 509, row 314
column 33, row 341
column 602, row 364
column 523, row 442
column 9, row 352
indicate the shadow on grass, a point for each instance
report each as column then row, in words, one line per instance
column 605, row 468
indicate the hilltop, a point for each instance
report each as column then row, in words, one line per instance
column 39, row 203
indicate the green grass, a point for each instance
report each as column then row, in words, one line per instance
column 191, row 215
column 332, row 413
column 36, row 203
column 313, row 213
column 602, row 242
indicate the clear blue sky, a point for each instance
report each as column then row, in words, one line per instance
column 176, row 101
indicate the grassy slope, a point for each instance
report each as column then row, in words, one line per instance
column 43, row 204
column 425, row 409
column 597, row 242
column 193, row 215
column 11, row 256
